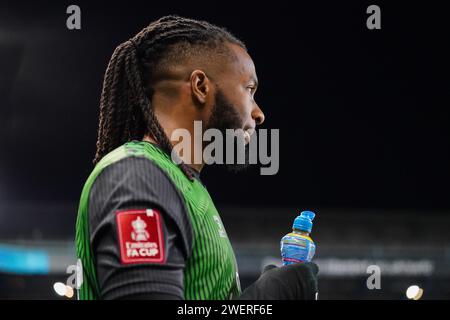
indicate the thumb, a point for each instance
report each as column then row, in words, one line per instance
column 268, row 267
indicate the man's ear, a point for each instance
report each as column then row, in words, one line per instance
column 200, row 86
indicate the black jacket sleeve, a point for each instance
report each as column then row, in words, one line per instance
column 137, row 183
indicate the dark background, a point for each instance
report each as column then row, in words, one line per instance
column 363, row 116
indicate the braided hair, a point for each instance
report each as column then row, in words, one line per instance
column 126, row 111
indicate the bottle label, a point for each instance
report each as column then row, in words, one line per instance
column 296, row 248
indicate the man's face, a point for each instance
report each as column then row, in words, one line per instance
column 234, row 105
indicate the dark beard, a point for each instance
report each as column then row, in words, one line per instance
column 224, row 116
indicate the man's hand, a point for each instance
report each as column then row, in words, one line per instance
column 292, row 282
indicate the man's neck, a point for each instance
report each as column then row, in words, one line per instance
column 189, row 162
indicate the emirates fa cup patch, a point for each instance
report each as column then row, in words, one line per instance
column 140, row 236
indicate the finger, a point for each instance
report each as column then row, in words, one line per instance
column 313, row 267
column 269, row 267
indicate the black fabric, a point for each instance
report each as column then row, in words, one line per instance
column 293, row 282
column 150, row 296
column 138, row 183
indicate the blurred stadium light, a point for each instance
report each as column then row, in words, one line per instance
column 22, row 260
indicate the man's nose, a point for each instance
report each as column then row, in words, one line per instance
column 258, row 115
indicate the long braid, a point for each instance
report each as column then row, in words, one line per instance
column 126, row 112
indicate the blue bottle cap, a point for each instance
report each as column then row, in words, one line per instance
column 304, row 221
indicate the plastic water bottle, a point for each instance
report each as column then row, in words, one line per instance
column 297, row 246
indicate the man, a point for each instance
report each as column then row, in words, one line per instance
column 147, row 227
